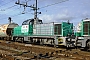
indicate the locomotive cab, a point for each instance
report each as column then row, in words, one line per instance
column 31, row 22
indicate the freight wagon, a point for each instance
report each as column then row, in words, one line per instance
column 45, row 33
column 6, row 30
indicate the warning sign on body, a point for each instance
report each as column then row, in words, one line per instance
column 24, row 28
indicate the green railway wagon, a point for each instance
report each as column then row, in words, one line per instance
column 83, row 34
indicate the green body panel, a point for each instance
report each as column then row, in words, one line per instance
column 84, row 29
column 77, row 33
column 62, row 29
column 67, row 28
column 30, row 29
column 18, row 31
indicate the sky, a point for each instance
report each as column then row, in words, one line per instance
column 51, row 10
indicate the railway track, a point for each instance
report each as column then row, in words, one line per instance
column 20, row 51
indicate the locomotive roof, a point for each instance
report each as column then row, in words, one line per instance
column 86, row 19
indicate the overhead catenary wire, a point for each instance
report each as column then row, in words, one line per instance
column 39, row 8
column 41, row 1
column 21, row 13
column 53, row 4
column 16, row 15
column 11, row 16
column 8, row 8
column 5, row 3
column 28, row 0
column 11, row 6
column 12, row 11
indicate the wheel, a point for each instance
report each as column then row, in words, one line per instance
column 41, row 42
column 88, row 45
column 14, row 39
column 22, row 40
column 67, row 45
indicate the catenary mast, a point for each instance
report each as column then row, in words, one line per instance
column 34, row 8
column 35, row 14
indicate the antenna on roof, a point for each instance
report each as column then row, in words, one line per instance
column 68, row 21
